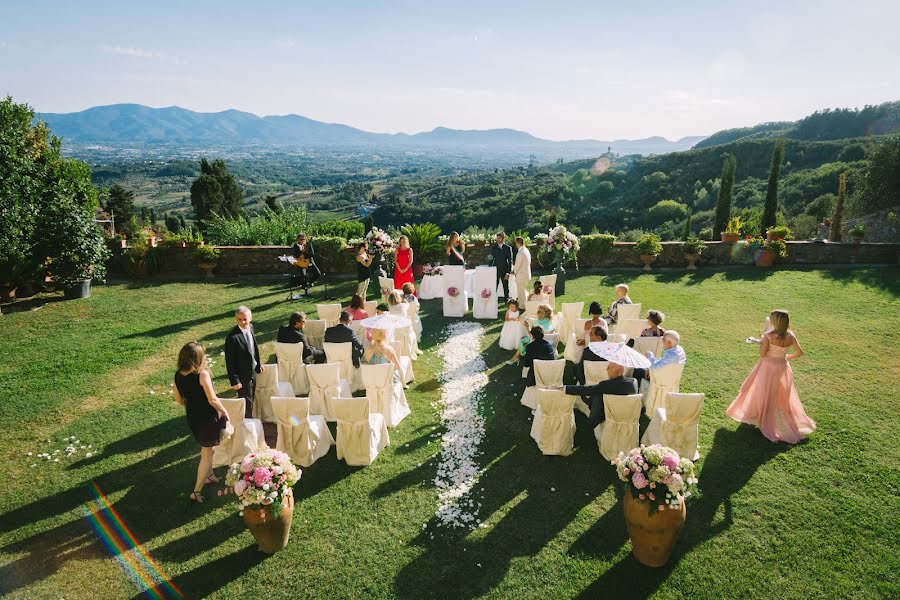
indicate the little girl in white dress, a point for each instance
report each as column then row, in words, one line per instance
column 512, row 327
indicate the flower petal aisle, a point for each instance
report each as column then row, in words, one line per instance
column 464, row 379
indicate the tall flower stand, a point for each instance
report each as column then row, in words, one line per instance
column 560, row 273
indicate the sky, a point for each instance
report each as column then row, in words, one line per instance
column 559, row 70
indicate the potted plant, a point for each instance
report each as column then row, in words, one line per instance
column 732, row 231
column 192, row 238
column 263, row 483
column 764, row 252
column 174, row 240
column 858, row 232
column 207, row 257
column 657, row 483
column 693, row 248
column 118, row 241
column 423, row 239
column 79, row 254
column 648, row 248
column 780, row 232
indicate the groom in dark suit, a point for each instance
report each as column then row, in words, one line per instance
column 242, row 358
column 342, row 333
column 502, row 258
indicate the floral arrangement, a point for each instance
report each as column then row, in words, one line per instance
column 386, row 291
column 562, row 240
column 548, row 289
column 657, row 475
column 757, row 243
column 432, row 270
column 486, row 294
column 380, row 241
column 262, row 479
column 453, row 292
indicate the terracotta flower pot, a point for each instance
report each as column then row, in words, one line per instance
column 772, row 237
column 207, row 268
column 765, row 258
column 692, row 261
column 731, row 238
column 652, row 536
column 648, row 259
column 272, row 534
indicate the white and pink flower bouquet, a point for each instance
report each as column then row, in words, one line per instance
column 262, row 479
column 380, row 241
column 561, row 240
column 657, row 475
column 430, row 269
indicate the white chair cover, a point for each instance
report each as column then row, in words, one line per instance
column 632, row 328
column 431, row 287
column 314, row 330
column 553, row 338
column 290, row 366
column 387, row 288
column 553, row 427
column 360, row 332
column 643, row 345
column 595, row 371
column 531, row 308
column 413, row 314
column 662, row 381
column 267, row 385
column 324, row 384
column 676, row 425
column 547, row 373
column 511, row 285
column 386, row 394
column 616, row 338
column 550, row 281
column 401, row 310
column 625, row 312
column 485, row 279
column 406, row 342
column 248, row 435
column 330, row 313
column 342, row 353
column 573, row 350
column 455, row 276
column 619, row 433
column 361, row 435
column 370, row 306
column 303, row 437
column 570, row 311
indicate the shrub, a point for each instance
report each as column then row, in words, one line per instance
column 423, row 239
column 858, row 230
column 631, row 235
column 693, row 246
column 782, row 231
column 206, row 254
column 329, row 253
column 706, row 233
column 594, row 248
column 776, row 246
column 648, row 245
column 735, row 224
column 271, row 228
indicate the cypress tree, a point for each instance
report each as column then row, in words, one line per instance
column 723, row 206
column 839, row 209
column 687, row 228
column 771, row 208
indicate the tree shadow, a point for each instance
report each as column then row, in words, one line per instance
column 883, row 278
column 213, row 576
column 734, row 458
column 32, row 303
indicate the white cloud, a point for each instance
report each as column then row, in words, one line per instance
column 8, row 45
column 682, row 101
column 134, row 52
column 286, row 44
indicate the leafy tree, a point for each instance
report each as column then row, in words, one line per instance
column 882, row 178
column 839, row 209
column 273, row 204
column 771, row 207
column 172, row 222
column 215, row 191
column 723, row 206
column 687, row 228
column 120, row 204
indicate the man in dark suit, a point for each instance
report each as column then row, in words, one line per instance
column 502, row 258
column 292, row 333
column 616, row 385
column 242, row 357
column 596, row 334
column 342, row 333
column 538, row 349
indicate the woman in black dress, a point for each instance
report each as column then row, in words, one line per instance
column 205, row 414
column 455, row 249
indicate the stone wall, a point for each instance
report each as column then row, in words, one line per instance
column 263, row 260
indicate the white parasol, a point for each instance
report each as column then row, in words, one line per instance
column 385, row 321
column 620, row 354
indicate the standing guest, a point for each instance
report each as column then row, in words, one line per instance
column 654, row 320
column 537, row 349
column 621, row 298
column 544, row 321
column 357, row 308
column 455, row 250
column 768, row 398
column 306, row 262
column 205, row 414
column 512, row 326
column 617, row 385
column 403, row 263
column 341, row 333
column 242, row 357
column 363, row 268
column 596, row 334
column 537, row 293
column 522, row 270
column 292, row 333
column 502, row 259
column 595, row 310
column 672, row 353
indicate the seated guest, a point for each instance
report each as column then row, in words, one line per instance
column 595, row 310
column 342, row 333
column 621, row 298
column 617, row 384
column 672, row 354
column 357, row 308
column 597, row 334
column 538, row 292
column 381, row 308
column 409, row 293
column 381, row 353
column 654, row 320
column 538, row 349
column 292, row 333
column 544, row 321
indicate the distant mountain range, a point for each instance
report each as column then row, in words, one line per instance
column 137, row 124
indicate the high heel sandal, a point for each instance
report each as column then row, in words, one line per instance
column 195, row 497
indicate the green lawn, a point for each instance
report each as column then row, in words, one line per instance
column 772, row 521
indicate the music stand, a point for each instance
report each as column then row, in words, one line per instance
column 293, row 289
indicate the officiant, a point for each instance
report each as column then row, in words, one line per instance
column 502, row 258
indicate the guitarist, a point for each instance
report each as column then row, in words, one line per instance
column 306, row 263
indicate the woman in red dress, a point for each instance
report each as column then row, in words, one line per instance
column 403, row 262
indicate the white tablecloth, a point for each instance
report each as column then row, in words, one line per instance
column 432, row 286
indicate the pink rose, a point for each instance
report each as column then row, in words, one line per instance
column 670, row 461
column 240, row 487
column 662, row 507
column 642, row 496
column 261, row 476
column 626, row 471
column 639, row 481
column 652, row 496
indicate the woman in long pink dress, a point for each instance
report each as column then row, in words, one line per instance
column 403, row 262
column 768, row 398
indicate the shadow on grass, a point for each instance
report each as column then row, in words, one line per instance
column 883, row 278
column 732, row 461
column 32, row 303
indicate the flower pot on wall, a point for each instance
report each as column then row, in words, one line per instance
column 765, row 258
column 207, row 268
column 692, row 261
column 731, row 238
column 652, row 535
column 7, row 293
column 648, row 259
column 272, row 533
